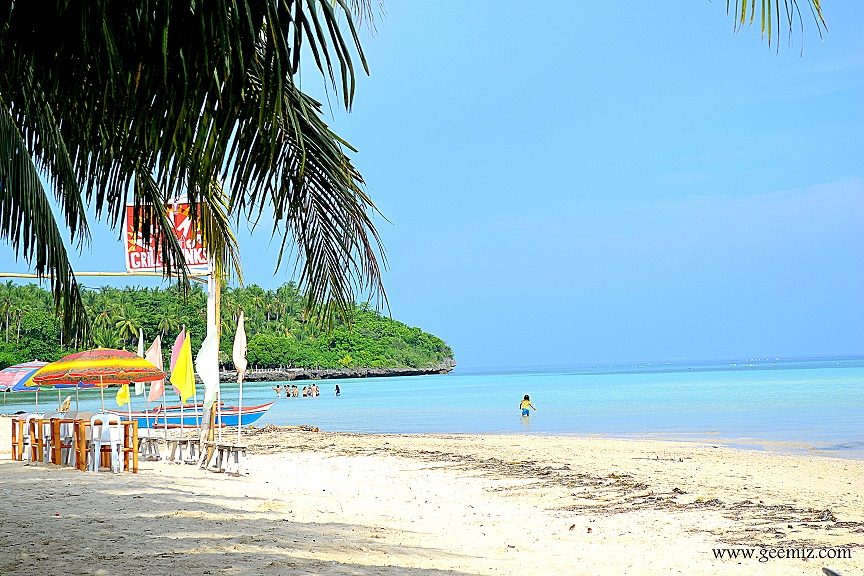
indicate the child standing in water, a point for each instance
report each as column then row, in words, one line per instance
column 525, row 405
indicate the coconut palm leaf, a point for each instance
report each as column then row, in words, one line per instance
column 772, row 18
column 27, row 223
column 140, row 102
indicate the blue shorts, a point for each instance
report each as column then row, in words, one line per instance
column 525, row 412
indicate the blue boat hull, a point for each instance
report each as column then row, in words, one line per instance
column 193, row 415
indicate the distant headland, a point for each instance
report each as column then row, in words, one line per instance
column 288, row 374
column 283, row 338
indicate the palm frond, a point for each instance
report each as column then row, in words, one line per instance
column 772, row 19
column 28, row 224
column 137, row 103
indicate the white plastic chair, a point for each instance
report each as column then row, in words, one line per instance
column 105, row 430
column 26, row 439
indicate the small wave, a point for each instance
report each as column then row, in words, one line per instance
column 841, row 446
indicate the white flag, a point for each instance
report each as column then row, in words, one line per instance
column 207, row 366
column 239, row 351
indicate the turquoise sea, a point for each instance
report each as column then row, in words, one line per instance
column 810, row 405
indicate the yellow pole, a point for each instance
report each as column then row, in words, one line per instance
column 192, row 277
column 216, row 286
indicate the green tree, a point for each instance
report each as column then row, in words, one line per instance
column 127, row 324
column 366, row 338
column 7, row 305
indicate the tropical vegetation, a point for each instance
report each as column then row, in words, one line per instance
column 280, row 333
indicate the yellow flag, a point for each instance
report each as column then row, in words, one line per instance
column 123, row 395
column 183, row 376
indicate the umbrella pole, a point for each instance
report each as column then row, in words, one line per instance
column 102, row 392
column 37, row 400
column 58, row 399
column 147, row 409
column 77, row 407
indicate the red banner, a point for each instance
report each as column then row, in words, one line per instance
column 141, row 257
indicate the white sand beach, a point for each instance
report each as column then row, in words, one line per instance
column 346, row 504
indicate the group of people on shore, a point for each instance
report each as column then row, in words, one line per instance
column 293, row 392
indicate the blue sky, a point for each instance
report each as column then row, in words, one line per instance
column 587, row 183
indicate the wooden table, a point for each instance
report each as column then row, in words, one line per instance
column 79, row 442
column 129, row 450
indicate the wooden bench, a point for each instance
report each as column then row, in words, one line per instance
column 175, row 446
column 148, row 445
column 223, row 457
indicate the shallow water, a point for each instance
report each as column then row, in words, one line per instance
column 815, row 406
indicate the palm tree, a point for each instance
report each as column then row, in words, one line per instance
column 287, row 326
column 136, row 105
column 106, row 337
column 126, row 324
column 23, row 309
column 7, row 304
column 167, row 320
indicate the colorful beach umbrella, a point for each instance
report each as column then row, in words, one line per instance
column 100, row 367
column 17, row 378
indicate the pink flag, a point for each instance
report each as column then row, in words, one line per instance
column 154, row 356
column 175, row 351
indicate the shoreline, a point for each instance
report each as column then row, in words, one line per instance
column 439, row 505
column 290, row 374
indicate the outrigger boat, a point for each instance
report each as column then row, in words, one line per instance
column 193, row 414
